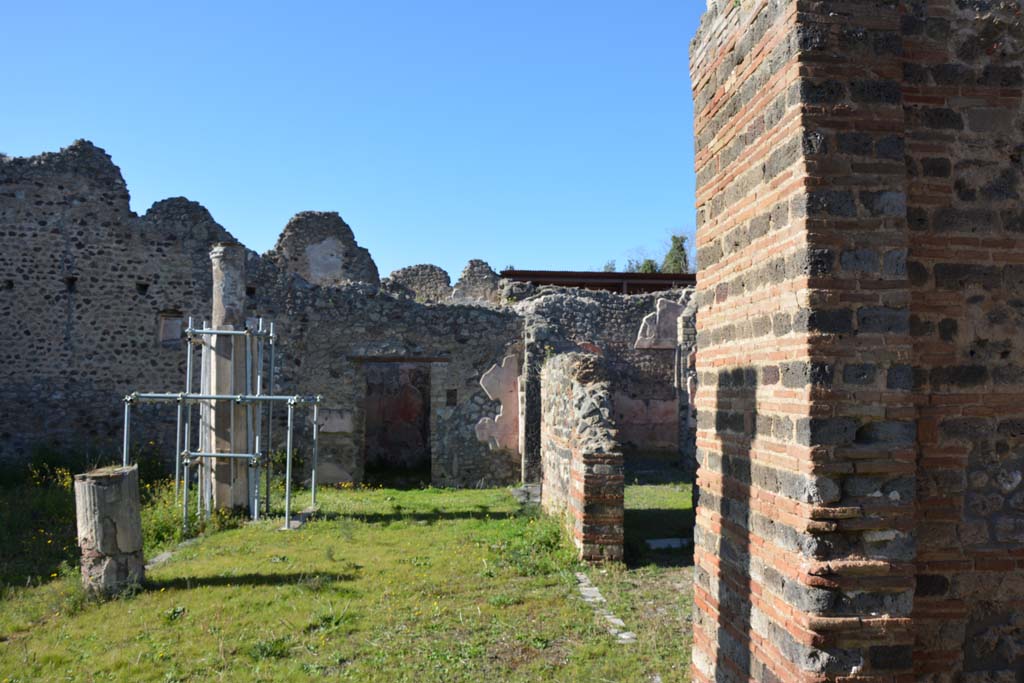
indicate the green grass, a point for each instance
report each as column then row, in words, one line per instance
column 658, row 511
column 384, row 585
column 652, row 592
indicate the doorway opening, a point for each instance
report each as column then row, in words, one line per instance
column 397, row 426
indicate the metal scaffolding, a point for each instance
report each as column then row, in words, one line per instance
column 257, row 399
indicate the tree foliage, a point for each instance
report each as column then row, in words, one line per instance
column 647, row 265
column 676, row 260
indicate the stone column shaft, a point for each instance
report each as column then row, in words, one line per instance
column 228, row 375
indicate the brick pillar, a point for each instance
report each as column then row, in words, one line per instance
column 806, row 423
column 228, row 419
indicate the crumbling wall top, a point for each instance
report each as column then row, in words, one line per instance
column 81, row 158
column 478, row 284
column 186, row 219
column 320, row 247
column 424, row 282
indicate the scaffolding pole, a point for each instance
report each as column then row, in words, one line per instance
column 316, row 444
column 204, row 474
column 127, row 431
column 257, row 427
column 270, row 415
column 288, row 469
column 255, row 398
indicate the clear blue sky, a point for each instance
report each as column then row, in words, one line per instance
column 538, row 134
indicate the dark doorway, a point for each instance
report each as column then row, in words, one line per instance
column 397, row 424
column 658, row 511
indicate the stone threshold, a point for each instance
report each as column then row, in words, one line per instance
column 667, row 543
column 592, row 596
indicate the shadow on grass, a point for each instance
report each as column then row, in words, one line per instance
column 649, row 520
column 37, row 532
column 641, row 525
column 312, row 580
column 429, row 517
column 402, row 479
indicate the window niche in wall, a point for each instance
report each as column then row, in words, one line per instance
column 170, row 327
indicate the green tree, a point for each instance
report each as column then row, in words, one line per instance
column 609, row 266
column 676, row 260
column 648, row 265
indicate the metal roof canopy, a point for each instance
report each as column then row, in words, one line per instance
column 623, row 283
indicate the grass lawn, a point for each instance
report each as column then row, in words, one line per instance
column 385, row 585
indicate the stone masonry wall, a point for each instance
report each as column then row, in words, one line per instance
column 755, row 543
column 582, row 463
column 424, row 283
column 320, row 246
column 858, row 391
column 686, row 386
column 329, row 332
column 560, row 320
column 95, row 297
column 86, row 287
column 478, row 284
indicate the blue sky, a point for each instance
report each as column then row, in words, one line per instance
column 539, row 134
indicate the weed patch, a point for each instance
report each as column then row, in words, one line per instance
column 270, row 648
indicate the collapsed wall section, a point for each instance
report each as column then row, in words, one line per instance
column 581, row 461
column 97, row 299
column 560, row 320
column 329, row 335
column 93, row 299
column 425, row 283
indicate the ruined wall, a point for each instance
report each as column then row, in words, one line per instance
column 478, row 284
column 92, row 298
column 672, row 326
column 95, row 298
column 560, row 320
column 857, row 168
column 686, row 386
column 328, row 333
column 582, row 463
column 424, row 283
column 320, row 246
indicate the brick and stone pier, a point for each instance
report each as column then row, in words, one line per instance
column 861, row 391
column 581, row 460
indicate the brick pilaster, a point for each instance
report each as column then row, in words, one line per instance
column 806, row 423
